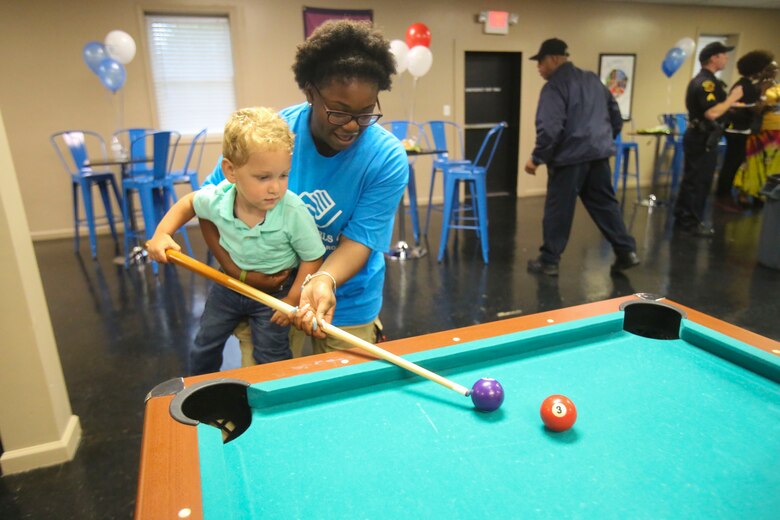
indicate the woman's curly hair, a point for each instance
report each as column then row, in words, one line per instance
column 754, row 62
column 344, row 49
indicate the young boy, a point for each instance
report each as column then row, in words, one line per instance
column 263, row 226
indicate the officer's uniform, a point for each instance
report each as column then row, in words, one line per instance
column 700, row 144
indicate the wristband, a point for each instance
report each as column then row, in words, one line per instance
column 319, row 273
column 242, row 276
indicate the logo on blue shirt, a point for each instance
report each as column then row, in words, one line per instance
column 320, row 204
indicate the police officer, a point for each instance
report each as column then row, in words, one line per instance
column 707, row 102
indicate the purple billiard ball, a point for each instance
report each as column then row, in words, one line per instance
column 487, row 395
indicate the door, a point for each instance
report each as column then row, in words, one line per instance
column 493, row 95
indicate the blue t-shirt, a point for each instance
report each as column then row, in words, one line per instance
column 355, row 193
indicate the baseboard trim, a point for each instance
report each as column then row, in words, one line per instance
column 46, row 454
column 55, row 234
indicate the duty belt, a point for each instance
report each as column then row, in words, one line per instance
column 702, row 125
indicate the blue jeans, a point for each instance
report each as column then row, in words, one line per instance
column 223, row 311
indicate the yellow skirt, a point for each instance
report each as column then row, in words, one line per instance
column 762, row 159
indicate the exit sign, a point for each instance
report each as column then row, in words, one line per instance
column 497, row 22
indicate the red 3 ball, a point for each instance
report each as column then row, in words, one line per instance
column 558, row 413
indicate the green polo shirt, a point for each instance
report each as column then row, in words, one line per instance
column 287, row 235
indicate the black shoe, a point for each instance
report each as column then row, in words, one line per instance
column 624, row 260
column 537, row 266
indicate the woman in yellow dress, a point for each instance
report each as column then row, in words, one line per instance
column 763, row 148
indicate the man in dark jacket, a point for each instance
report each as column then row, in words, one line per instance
column 577, row 121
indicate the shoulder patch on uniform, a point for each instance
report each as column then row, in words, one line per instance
column 710, row 97
column 708, row 86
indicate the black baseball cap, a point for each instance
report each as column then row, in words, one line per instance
column 711, row 49
column 551, row 47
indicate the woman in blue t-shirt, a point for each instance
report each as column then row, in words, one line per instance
column 350, row 173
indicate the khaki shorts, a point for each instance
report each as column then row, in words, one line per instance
column 298, row 340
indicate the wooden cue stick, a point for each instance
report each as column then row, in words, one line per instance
column 285, row 308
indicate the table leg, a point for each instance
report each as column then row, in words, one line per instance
column 137, row 255
column 652, row 201
column 402, row 250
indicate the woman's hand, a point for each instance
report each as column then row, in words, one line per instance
column 318, row 301
column 158, row 244
column 269, row 283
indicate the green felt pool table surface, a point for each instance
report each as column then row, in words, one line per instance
column 666, row 428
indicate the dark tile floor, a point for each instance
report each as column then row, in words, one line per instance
column 120, row 332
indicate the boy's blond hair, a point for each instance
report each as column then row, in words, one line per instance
column 255, row 129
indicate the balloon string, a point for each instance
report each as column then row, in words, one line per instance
column 110, row 97
column 414, row 94
column 404, row 93
column 121, row 109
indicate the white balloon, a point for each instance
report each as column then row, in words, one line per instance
column 687, row 45
column 401, row 53
column 420, row 60
column 120, row 46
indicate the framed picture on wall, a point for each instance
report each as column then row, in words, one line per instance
column 617, row 73
column 313, row 17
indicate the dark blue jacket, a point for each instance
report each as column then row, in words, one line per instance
column 577, row 119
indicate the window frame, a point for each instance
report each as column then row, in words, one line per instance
column 232, row 14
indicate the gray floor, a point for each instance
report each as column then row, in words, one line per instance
column 120, row 332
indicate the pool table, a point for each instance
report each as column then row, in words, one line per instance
column 678, row 417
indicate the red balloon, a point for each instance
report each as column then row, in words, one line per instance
column 418, row 34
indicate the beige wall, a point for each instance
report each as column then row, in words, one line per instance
column 37, row 427
column 46, row 87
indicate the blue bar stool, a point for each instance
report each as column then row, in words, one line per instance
column 623, row 151
column 125, row 138
column 474, row 175
column 83, row 178
column 451, row 156
column 155, row 191
column 677, row 123
column 189, row 170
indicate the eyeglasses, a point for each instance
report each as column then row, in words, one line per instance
column 338, row 118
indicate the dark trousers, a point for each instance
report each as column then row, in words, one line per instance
column 735, row 156
column 223, row 311
column 696, row 184
column 592, row 182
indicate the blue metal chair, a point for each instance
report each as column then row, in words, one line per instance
column 189, row 170
column 155, row 190
column 129, row 141
column 677, row 123
column 623, row 151
column 410, row 130
column 83, row 178
column 475, row 175
column 438, row 131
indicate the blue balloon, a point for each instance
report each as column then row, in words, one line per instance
column 112, row 74
column 94, row 53
column 674, row 58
